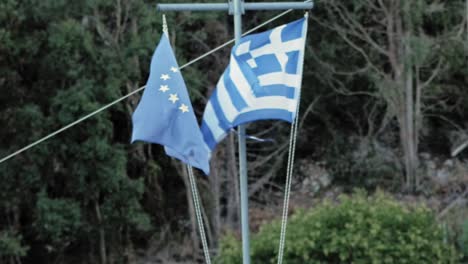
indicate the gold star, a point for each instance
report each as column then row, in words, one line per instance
column 164, row 88
column 165, row 77
column 174, row 69
column 183, row 108
column 173, row 98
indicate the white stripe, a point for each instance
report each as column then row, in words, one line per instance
column 241, row 83
column 243, row 48
column 292, row 80
column 273, row 102
column 212, row 122
column 277, row 44
column 292, row 45
column 229, row 110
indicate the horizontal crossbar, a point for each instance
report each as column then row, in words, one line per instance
column 226, row 6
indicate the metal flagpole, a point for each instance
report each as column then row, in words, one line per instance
column 237, row 7
column 244, row 191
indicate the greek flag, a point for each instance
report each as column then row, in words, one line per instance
column 262, row 81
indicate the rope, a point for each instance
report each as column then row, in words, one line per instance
column 196, row 202
column 289, row 169
column 133, row 92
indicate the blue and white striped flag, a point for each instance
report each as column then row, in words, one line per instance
column 262, row 81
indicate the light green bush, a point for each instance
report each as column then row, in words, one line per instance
column 359, row 229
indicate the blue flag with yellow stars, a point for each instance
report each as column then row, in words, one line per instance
column 165, row 115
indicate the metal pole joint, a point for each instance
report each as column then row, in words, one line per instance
column 232, row 9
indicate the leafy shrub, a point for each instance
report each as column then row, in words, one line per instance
column 10, row 245
column 359, row 229
column 58, row 220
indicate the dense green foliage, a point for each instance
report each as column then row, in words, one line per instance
column 359, row 229
column 88, row 196
column 463, row 239
column 59, row 61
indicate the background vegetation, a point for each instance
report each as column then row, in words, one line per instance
column 385, row 99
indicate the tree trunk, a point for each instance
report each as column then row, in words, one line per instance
column 410, row 102
column 409, row 116
column 215, row 184
column 233, row 181
column 102, row 238
column 404, row 79
column 417, row 122
column 129, row 256
column 418, row 113
column 410, row 135
column 193, row 219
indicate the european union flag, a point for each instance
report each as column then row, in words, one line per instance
column 165, row 115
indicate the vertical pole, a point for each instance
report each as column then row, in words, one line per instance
column 242, row 154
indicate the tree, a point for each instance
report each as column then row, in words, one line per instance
column 399, row 54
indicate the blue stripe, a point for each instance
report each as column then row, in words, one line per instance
column 292, row 65
column 250, row 75
column 207, row 135
column 264, row 114
column 256, row 40
column 217, row 109
column 276, row 90
column 293, row 30
column 267, row 63
column 234, row 94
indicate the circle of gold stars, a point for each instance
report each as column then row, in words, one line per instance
column 173, row 97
